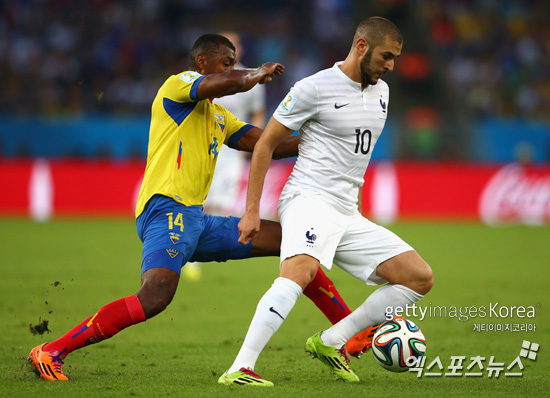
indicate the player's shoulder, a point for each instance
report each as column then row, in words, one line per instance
column 314, row 83
column 186, row 77
column 319, row 77
column 381, row 87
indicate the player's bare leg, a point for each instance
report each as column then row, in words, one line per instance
column 158, row 287
column 407, row 269
column 157, row 290
column 267, row 241
column 409, row 276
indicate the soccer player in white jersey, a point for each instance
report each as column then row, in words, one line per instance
column 340, row 113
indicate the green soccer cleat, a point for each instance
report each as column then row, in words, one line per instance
column 335, row 359
column 244, row 377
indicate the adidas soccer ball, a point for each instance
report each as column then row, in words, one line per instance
column 398, row 344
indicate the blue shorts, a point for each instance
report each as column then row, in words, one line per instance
column 173, row 234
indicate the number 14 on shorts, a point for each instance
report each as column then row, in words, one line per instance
column 178, row 221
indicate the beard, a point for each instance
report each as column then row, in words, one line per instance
column 366, row 71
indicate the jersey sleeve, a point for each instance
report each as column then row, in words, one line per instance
column 235, row 129
column 300, row 105
column 183, row 87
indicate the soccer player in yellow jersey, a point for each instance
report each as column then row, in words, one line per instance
column 186, row 135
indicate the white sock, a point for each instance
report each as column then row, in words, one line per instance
column 272, row 309
column 370, row 313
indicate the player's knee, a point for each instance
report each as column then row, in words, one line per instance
column 156, row 293
column 153, row 304
column 302, row 271
column 424, row 280
column 158, row 304
column 307, row 277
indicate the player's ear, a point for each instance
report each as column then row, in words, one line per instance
column 201, row 61
column 362, row 46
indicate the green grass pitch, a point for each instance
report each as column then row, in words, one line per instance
column 64, row 270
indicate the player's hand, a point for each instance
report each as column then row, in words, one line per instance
column 249, row 226
column 272, row 69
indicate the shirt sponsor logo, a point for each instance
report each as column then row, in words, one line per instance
column 287, row 104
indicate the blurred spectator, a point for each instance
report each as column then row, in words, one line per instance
column 63, row 57
column 495, row 53
column 423, row 133
column 67, row 58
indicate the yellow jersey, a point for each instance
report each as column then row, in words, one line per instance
column 185, row 138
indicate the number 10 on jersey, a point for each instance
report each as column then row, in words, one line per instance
column 362, row 141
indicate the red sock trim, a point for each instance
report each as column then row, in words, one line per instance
column 135, row 309
column 326, row 297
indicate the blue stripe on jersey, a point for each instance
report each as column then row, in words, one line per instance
column 178, row 111
column 194, row 87
column 237, row 135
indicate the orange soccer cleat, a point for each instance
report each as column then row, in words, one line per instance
column 47, row 364
column 361, row 342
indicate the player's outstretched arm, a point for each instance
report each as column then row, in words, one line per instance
column 273, row 135
column 287, row 148
column 218, row 85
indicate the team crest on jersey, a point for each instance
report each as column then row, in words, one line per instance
column 383, row 105
column 287, row 104
column 220, row 119
column 174, row 237
column 189, row 77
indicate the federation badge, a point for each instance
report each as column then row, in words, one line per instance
column 220, row 119
column 172, row 253
column 174, row 237
column 310, row 238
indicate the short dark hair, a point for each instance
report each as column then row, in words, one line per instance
column 207, row 44
column 375, row 29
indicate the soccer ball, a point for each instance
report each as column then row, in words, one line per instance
column 398, row 344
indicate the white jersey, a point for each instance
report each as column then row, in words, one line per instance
column 339, row 125
column 246, row 103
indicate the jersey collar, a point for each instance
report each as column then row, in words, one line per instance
column 345, row 77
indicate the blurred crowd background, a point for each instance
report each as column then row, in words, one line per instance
column 472, row 72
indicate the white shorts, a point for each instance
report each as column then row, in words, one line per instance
column 312, row 226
